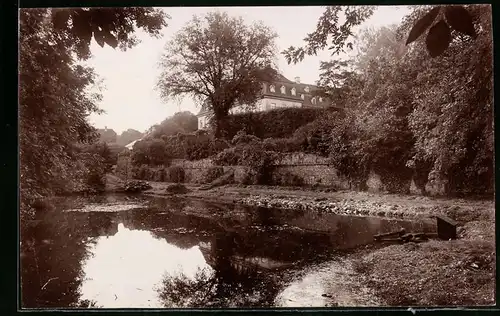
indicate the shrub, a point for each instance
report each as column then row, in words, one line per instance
column 243, row 138
column 250, row 177
column 282, row 145
column 197, row 147
column 275, row 123
column 176, row 174
column 141, row 172
column 96, row 182
column 260, row 160
column 176, row 189
column 228, row 157
column 316, row 137
column 252, row 155
column 194, row 146
column 136, row 186
column 213, row 173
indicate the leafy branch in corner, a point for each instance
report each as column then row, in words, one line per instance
column 439, row 37
column 329, row 27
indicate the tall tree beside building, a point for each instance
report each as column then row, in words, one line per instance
column 219, row 60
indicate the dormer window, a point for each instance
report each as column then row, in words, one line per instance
column 306, row 89
column 302, row 96
column 294, row 91
column 271, row 88
column 283, row 90
column 313, row 100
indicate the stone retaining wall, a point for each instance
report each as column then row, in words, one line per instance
column 309, row 170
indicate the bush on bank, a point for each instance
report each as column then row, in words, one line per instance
column 270, row 124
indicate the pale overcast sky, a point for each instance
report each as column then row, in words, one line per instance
column 129, row 99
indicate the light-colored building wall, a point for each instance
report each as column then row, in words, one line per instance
column 203, row 122
column 274, row 103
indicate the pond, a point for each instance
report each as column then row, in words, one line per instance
column 143, row 252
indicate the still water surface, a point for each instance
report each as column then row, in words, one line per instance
column 144, row 252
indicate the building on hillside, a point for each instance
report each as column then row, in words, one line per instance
column 282, row 93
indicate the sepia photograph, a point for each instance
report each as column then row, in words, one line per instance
column 278, row 157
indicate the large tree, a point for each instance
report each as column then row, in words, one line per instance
column 220, row 61
column 54, row 101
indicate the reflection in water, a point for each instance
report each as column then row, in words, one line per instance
column 232, row 282
column 125, row 269
column 177, row 253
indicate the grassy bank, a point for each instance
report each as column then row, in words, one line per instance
column 436, row 273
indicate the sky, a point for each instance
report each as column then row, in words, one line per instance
column 128, row 78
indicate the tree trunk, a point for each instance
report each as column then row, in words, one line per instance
column 217, row 129
column 219, row 118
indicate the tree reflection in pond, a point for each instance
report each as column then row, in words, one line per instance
column 230, row 282
column 207, row 289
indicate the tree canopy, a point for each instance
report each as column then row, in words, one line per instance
column 330, row 32
column 220, row 61
column 180, row 122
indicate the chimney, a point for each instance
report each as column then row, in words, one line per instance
column 297, row 79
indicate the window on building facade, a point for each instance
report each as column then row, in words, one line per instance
column 273, row 105
column 302, row 96
column 320, row 99
column 271, row 88
column 306, row 89
column 283, row 89
column 313, row 100
column 294, row 91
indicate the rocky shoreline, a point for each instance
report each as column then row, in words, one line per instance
column 342, row 203
column 343, row 207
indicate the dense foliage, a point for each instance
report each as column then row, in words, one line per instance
column 414, row 116
column 251, row 152
column 219, row 61
column 161, row 151
column 330, row 32
column 180, row 122
column 274, row 123
column 54, row 101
